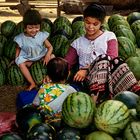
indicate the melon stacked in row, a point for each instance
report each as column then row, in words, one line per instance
column 62, row 32
column 81, row 119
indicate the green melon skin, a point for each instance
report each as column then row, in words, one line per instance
column 132, row 131
column 138, row 108
column 128, row 98
column 10, row 136
column 134, row 65
column 133, row 16
column 78, row 110
column 112, row 116
column 99, row 135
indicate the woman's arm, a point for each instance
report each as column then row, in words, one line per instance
column 112, row 49
column 71, row 57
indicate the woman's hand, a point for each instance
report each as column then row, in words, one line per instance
column 80, row 75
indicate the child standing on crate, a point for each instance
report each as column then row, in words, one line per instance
column 32, row 45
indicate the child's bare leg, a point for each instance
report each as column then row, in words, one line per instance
column 94, row 97
column 24, row 69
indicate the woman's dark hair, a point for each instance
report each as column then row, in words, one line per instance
column 57, row 69
column 31, row 17
column 95, row 11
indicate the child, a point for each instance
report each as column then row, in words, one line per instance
column 52, row 94
column 32, row 45
column 97, row 51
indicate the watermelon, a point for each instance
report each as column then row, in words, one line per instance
column 133, row 16
column 10, row 49
column 137, row 35
column 4, row 62
column 115, row 17
column 68, row 133
column 126, row 47
column 61, row 20
column 99, row 135
column 112, row 116
column 27, row 117
column 14, row 76
column 78, row 18
column 132, row 131
column 40, row 128
column 2, row 76
column 19, row 28
column 138, row 108
column 10, row 136
column 8, row 28
column 3, row 41
column 38, row 72
column 46, row 25
column 59, row 41
column 78, row 110
column 126, row 33
column 134, row 65
column 105, row 26
column 128, row 98
column 135, row 26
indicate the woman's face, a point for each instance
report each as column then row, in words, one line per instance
column 92, row 25
column 32, row 30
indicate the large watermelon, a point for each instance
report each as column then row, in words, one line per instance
column 128, row 98
column 133, row 16
column 99, row 135
column 78, row 110
column 132, row 131
column 8, row 28
column 112, row 116
column 134, row 65
column 126, row 47
column 10, row 136
column 38, row 72
column 2, row 76
column 14, row 76
column 135, row 26
column 138, row 108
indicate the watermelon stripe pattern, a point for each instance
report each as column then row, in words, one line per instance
column 14, row 76
column 112, row 116
column 132, row 131
column 2, row 76
column 38, row 72
column 78, row 109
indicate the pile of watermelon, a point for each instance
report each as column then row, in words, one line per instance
column 81, row 118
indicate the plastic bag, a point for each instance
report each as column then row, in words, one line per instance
column 7, row 122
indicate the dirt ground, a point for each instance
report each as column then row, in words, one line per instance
column 8, row 93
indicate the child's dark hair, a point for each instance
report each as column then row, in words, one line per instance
column 95, row 11
column 31, row 17
column 57, row 69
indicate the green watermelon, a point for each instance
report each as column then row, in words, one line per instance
column 40, row 128
column 3, row 41
column 8, row 28
column 78, row 110
column 78, row 18
column 126, row 33
column 126, row 47
column 134, row 65
column 19, row 28
column 138, row 108
column 135, row 26
column 4, row 62
column 14, row 76
column 59, row 41
column 2, row 76
column 68, row 133
column 137, row 35
column 99, row 135
column 27, row 117
column 111, row 116
column 133, row 16
column 10, row 49
column 38, row 72
column 128, row 98
column 10, row 136
column 132, row 131
column 115, row 17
